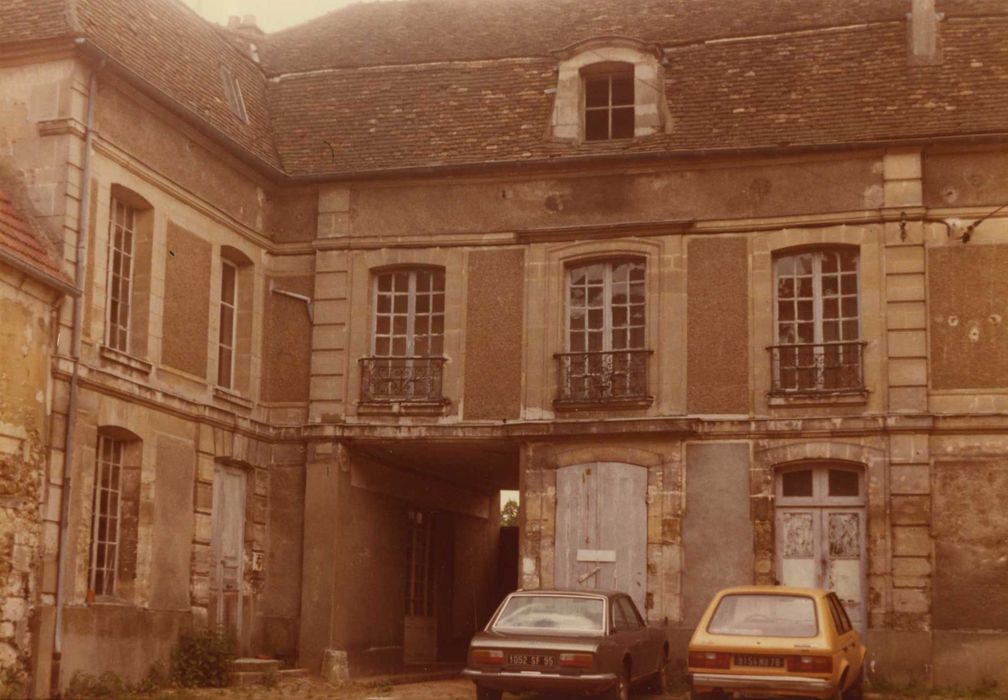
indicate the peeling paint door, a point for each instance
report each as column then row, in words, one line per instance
column 227, row 546
column 820, row 533
column 601, row 528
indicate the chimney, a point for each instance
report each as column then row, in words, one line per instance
column 233, row 22
column 248, row 25
column 924, row 42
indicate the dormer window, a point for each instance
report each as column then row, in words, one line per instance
column 609, row 101
column 609, row 88
column 232, row 92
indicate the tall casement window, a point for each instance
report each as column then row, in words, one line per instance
column 122, row 234
column 606, row 358
column 608, row 101
column 228, row 324
column 107, row 515
column 407, row 336
column 818, row 346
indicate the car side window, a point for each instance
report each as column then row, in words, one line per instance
column 843, row 614
column 836, row 611
column 633, row 618
column 620, row 621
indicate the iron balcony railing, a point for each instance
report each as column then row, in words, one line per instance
column 388, row 379
column 603, row 377
column 818, row 368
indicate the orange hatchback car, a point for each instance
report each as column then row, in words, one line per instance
column 776, row 641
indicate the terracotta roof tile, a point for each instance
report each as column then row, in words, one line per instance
column 803, row 89
column 181, row 54
column 20, row 241
column 31, row 20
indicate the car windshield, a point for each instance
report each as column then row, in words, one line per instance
column 755, row 615
column 552, row 613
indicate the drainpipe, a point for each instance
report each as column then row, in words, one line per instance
column 83, row 225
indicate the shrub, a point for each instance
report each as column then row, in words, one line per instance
column 107, row 686
column 202, row 658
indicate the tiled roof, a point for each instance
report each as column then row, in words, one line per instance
column 179, row 53
column 19, row 241
column 31, row 20
column 814, row 88
column 416, row 83
column 419, row 31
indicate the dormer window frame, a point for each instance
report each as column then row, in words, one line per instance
column 577, row 66
column 616, row 102
column 233, row 94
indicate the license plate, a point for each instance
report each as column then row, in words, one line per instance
column 531, row 660
column 759, row 661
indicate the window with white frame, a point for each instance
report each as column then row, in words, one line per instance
column 407, row 336
column 228, row 325
column 605, row 358
column 122, row 235
column 608, row 101
column 233, row 94
column 817, row 346
column 106, row 517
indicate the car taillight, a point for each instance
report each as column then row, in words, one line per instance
column 810, row 664
column 709, row 659
column 488, row 656
column 575, row 660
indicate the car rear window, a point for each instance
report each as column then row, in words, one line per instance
column 552, row 613
column 757, row 615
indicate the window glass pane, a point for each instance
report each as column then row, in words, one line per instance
column 228, row 284
column 843, row 483
column 848, row 260
column 596, row 125
column 623, row 90
column 848, row 284
column 597, row 92
column 623, row 123
column 797, row 483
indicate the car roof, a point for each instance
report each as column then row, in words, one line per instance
column 587, row 593
column 775, row 590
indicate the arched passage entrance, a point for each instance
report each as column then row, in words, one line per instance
column 820, row 524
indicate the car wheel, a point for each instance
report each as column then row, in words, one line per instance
column 660, row 678
column 856, row 691
column 487, row 693
column 620, row 691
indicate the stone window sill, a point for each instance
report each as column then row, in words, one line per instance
column 403, row 408
column 134, row 365
column 232, row 398
column 622, row 404
column 853, row 397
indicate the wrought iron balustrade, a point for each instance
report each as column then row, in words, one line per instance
column 603, row 377
column 389, row 379
column 818, row 368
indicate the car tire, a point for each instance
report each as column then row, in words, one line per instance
column 659, row 680
column 856, row 691
column 620, row 691
column 487, row 693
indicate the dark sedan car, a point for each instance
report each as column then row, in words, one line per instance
column 566, row 641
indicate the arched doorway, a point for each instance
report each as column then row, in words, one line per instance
column 820, row 525
column 601, row 528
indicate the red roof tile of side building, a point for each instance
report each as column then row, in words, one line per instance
column 21, row 246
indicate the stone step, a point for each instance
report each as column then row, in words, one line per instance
column 242, row 665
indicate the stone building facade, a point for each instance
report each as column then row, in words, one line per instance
column 719, row 289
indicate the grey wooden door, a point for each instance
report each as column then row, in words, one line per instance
column 601, row 528
column 820, row 533
column 227, row 546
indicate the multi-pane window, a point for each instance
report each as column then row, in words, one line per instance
column 609, row 104
column 817, row 321
column 605, row 308
column 409, row 313
column 407, row 337
column 233, row 94
column 228, row 312
column 122, row 235
column 606, row 357
column 107, row 515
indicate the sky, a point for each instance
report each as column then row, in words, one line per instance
column 271, row 15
